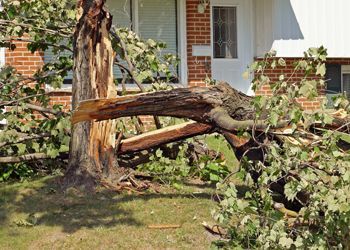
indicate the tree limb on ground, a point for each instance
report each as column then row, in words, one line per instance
column 27, row 157
column 163, row 136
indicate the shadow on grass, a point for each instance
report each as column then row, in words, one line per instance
column 73, row 211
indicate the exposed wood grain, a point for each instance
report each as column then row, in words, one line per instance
column 27, row 157
column 164, row 226
column 163, row 136
column 92, row 148
column 193, row 103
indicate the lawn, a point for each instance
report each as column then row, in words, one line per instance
column 104, row 220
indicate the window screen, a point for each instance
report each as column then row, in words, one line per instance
column 157, row 20
column 121, row 11
column 225, row 32
column 122, row 17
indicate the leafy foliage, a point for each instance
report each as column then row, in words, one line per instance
column 26, row 131
column 143, row 61
column 168, row 170
column 310, row 176
column 180, row 162
column 47, row 27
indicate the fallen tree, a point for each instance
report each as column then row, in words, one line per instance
column 220, row 105
column 295, row 163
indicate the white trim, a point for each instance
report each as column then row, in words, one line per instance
column 345, row 69
column 182, row 41
column 2, row 57
column 135, row 16
column 2, row 63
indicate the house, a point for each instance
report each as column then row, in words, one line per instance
column 219, row 38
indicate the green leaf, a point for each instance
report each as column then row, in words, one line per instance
column 214, row 177
column 21, row 148
column 53, row 153
column 321, row 69
column 36, row 147
column 63, row 149
column 327, row 119
column 286, row 242
column 291, row 189
column 274, row 117
column 304, row 156
column 282, row 62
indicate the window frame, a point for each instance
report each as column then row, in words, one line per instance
column 181, row 42
column 345, row 69
column 235, row 8
column 2, row 63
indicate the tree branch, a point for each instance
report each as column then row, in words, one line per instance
column 23, row 138
column 28, row 157
column 130, row 71
column 41, row 42
column 163, row 136
column 25, row 25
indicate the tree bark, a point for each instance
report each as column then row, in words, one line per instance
column 220, row 105
column 92, row 149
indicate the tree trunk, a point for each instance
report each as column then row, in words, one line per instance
column 92, row 149
column 220, row 105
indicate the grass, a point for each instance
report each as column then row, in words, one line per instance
column 104, row 220
column 219, row 144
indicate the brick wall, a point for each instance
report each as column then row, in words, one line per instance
column 28, row 63
column 198, row 33
column 274, row 74
column 63, row 98
column 23, row 60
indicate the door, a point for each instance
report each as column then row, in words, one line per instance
column 232, row 41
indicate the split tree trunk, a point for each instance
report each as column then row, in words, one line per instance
column 221, row 106
column 92, row 149
column 198, row 103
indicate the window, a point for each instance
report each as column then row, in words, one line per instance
column 338, row 80
column 121, row 11
column 225, row 32
column 156, row 19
